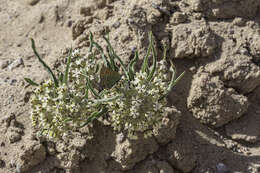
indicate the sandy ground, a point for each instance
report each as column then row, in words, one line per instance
column 216, row 42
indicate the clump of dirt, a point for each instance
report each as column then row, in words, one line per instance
column 215, row 42
column 192, row 40
column 214, row 104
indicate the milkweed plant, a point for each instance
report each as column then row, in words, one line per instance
column 98, row 84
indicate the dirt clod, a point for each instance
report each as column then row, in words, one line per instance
column 129, row 152
column 169, row 126
column 192, row 40
column 214, row 104
column 33, row 154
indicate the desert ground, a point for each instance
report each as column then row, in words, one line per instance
column 216, row 43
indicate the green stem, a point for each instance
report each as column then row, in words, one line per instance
column 45, row 65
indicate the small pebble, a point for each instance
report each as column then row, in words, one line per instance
column 13, row 81
column 116, row 24
column 18, row 62
column 221, row 168
column 27, row 96
column 193, row 69
column 120, row 138
column 14, row 137
column 69, row 23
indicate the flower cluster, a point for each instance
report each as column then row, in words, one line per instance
column 57, row 110
column 92, row 86
column 140, row 107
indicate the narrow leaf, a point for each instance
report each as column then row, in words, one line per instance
column 93, row 116
column 31, row 82
column 145, row 60
column 111, row 53
column 173, row 81
column 97, row 101
column 131, row 66
column 150, row 76
column 92, row 90
column 123, row 66
column 66, row 75
column 104, row 57
column 44, row 64
column 91, row 42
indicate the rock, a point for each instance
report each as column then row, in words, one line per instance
column 239, row 21
column 129, row 152
column 32, row 2
column 69, row 23
column 181, row 156
column 246, row 128
column 153, row 166
column 212, row 103
column 167, row 131
column 33, row 154
column 14, row 134
column 116, row 24
column 120, row 137
column 13, row 81
column 192, row 40
column 14, row 137
column 222, row 168
column 27, row 96
column 18, row 62
column 164, row 167
column 4, row 63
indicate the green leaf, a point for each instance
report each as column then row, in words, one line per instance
column 90, row 87
column 131, row 66
column 102, row 101
column 173, row 81
column 91, row 42
column 145, row 60
column 93, row 116
column 111, row 53
column 66, row 75
column 104, row 57
column 123, row 66
column 44, row 64
column 92, row 90
column 150, row 76
column 31, row 82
